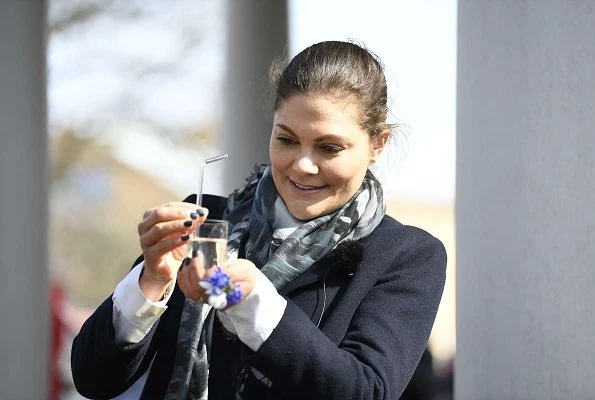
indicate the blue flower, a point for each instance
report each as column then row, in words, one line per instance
column 219, row 279
column 221, row 291
column 234, row 295
column 210, row 289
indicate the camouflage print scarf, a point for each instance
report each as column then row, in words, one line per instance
column 250, row 213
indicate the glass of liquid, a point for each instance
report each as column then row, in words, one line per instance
column 210, row 241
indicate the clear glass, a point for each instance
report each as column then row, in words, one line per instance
column 210, row 242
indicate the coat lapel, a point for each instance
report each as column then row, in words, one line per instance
column 310, row 276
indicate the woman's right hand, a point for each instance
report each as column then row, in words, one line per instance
column 164, row 233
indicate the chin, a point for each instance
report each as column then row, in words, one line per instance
column 301, row 214
column 307, row 213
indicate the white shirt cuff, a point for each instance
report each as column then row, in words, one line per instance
column 134, row 314
column 255, row 317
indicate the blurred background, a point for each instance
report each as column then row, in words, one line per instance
column 135, row 94
column 137, row 98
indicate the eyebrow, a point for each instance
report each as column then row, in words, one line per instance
column 318, row 139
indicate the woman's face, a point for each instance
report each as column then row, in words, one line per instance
column 319, row 154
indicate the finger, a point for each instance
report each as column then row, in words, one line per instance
column 196, row 266
column 166, row 230
column 164, row 214
column 170, row 212
column 178, row 204
column 189, row 285
column 184, row 262
column 181, row 282
column 242, row 272
column 159, row 249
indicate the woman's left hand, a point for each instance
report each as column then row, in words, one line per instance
column 241, row 272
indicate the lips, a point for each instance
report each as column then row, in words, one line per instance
column 306, row 187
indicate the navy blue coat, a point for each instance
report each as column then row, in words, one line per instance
column 375, row 324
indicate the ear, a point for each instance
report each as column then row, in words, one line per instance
column 378, row 144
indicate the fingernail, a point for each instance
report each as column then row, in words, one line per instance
column 201, row 212
column 193, row 215
column 185, row 237
column 187, row 261
column 188, row 223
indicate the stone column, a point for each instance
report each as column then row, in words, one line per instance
column 23, row 201
column 257, row 33
column 525, row 200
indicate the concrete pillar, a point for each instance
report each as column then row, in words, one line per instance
column 24, row 335
column 525, row 200
column 256, row 34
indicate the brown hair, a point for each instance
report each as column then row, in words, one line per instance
column 340, row 69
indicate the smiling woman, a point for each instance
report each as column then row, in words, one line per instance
column 319, row 153
column 335, row 299
column 329, row 126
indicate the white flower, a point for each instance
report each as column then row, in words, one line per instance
column 218, row 301
column 206, row 286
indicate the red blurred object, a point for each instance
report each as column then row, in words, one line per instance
column 57, row 329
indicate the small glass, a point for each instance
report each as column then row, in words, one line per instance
column 210, row 240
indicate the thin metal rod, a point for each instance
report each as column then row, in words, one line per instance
column 202, row 175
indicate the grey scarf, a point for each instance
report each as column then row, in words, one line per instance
column 249, row 212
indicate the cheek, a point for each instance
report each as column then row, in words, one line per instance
column 347, row 177
column 278, row 170
column 279, row 158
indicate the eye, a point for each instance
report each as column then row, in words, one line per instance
column 285, row 140
column 330, row 149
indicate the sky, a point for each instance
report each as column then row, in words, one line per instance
column 99, row 82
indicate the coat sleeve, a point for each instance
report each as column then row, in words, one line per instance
column 383, row 343
column 102, row 369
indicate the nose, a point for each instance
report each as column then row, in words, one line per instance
column 305, row 164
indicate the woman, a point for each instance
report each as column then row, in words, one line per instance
column 337, row 298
